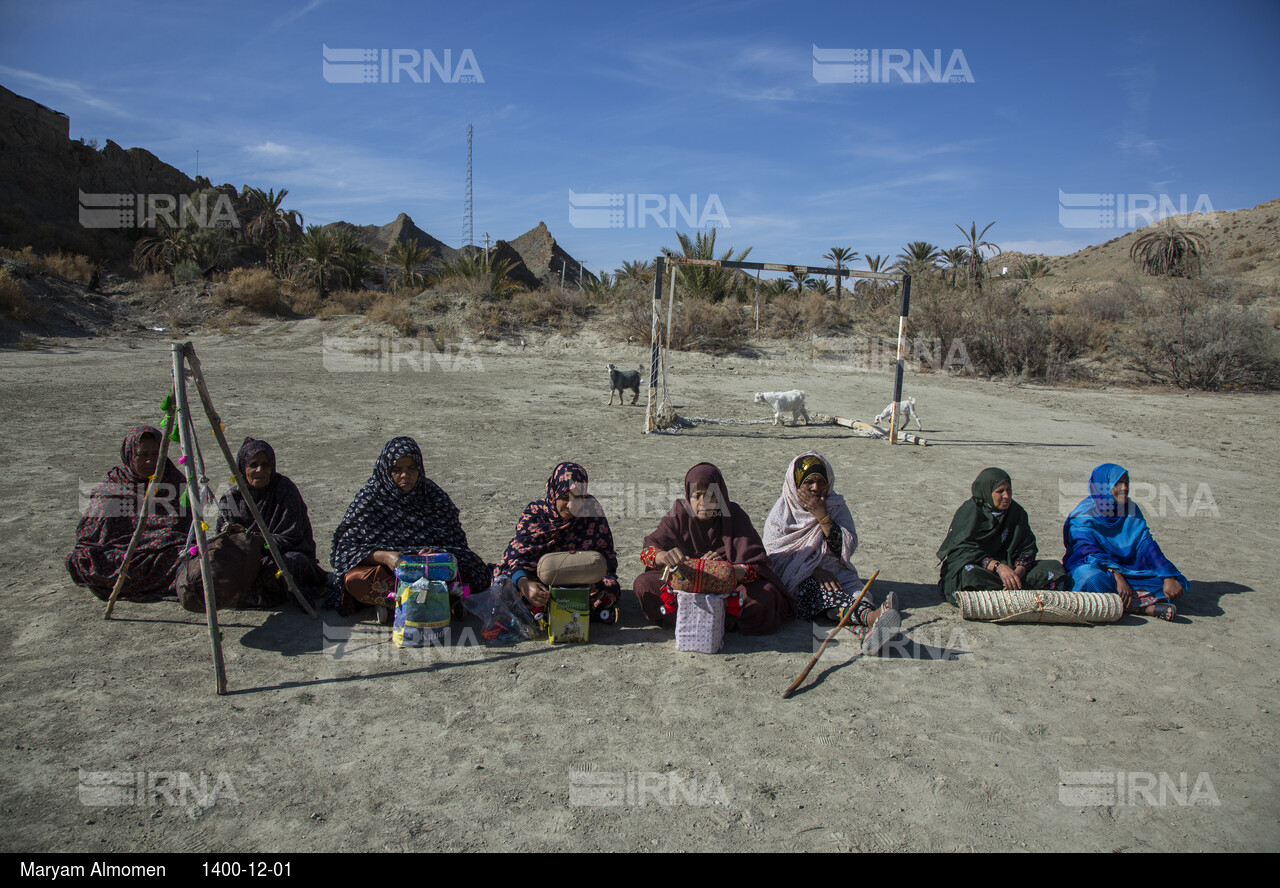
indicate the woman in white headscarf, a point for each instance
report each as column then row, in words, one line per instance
column 810, row 538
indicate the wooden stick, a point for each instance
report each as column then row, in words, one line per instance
column 152, row 484
column 186, row 431
column 832, row 634
column 221, row 438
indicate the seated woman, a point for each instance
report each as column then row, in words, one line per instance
column 282, row 508
column 990, row 544
column 1110, row 548
column 567, row 519
column 399, row 510
column 705, row 524
column 810, row 538
column 103, row 535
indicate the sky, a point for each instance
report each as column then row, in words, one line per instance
column 790, row 127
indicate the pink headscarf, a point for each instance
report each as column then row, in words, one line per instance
column 796, row 542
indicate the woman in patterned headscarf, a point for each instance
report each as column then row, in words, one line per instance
column 706, row 524
column 810, row 537
column 990, row 544
column 398, row 511
column 567, row 519
column 112, row 516
column 1110, row 548
column 282, row 508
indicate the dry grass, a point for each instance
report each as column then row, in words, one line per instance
column 15, row 302
column 255, row 288
column 73, row 266
column 156, row 282
column 393, row 309
column 562, row 310
column 800, row 315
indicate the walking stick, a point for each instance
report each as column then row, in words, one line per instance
column 832, row 634
column 185, row 434
column 221, row 438
column 152, row 484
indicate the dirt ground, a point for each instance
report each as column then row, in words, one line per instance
column 1142, row 735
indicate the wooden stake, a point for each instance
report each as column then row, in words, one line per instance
column 220, row 437
column 186, row 430
column 832, row 634
column 152, row 484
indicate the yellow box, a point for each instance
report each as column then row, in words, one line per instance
column 570, row 614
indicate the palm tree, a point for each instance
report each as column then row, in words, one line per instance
column 802, row 281
column 641, row 271
column 956, row 258
column 709, row 282
column 873, row 286
column 355, row 260
column 842, row 257
column 272, row 222
column 776, row 287
column 408, row 257
column 320, row 252
column 919, row 256
column 492, row 275
column 1033, row 268
column 164, row 251
column 822, row 287
column 1168, row 250
column 975, row 246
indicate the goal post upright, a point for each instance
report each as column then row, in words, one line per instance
column 897, row 370
column 658, row 268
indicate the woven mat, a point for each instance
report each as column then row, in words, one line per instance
column 1039, row 606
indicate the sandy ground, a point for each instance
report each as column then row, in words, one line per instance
column 970, row 736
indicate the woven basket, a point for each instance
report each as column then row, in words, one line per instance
column 1039, row 606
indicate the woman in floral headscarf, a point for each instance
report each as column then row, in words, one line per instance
column 810, row 537
column 280, row 503
column 399, row 510
column 1110, row 548
column 566, row 519
column 112, row 516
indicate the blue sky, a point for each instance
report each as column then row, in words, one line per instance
column 717, row 102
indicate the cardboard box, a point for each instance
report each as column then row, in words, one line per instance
column 570, row 614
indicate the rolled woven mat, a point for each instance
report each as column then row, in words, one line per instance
column 1039, row 606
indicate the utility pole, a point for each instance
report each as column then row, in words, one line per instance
column 468, row 225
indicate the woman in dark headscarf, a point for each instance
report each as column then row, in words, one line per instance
column 103, row 535
column 567, row 519
column 399, row 511
column 285, row 513
column 706, row 524
column 990, row 544
column 1110, row 548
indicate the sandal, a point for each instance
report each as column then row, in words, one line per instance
column 884, row 629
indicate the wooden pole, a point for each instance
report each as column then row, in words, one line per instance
column 832, row 634
column 186, row 431
column 649, row 420
column 220, row 437
column 152, row 483
column 897, row 378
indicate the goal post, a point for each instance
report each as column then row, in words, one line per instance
column 660, row 266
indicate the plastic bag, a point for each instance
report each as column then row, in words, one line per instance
column 504, row 617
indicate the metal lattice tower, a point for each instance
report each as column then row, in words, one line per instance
column 468, row 223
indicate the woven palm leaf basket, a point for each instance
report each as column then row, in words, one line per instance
column 1039, row 606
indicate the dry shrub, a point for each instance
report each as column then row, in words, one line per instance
column 305, row 302
column 255, row 288
column 1110, row 304
column 807, row 314
column 73, row 266
column 236, row 317
column 156, row 282
column 14, row 300
column 714, row 327
column 393, row 310
column 562, row 310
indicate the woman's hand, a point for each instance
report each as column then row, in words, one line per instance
column 386, row 559
column 812, row 503
column 1009, row 576
column 534, row 592
column 670, row 558
column 1123, row 589
column 827, row 581
column 1172, row 588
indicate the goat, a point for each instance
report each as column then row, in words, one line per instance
column 623, row 379
column 785, row 402
column 907, row 410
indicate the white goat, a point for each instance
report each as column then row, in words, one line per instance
column 785, row 402
column 907, row 410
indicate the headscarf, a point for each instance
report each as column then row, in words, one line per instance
column 1100, row 534
column 796, row 542
column 280, row 503
column 978, row 531
column 384, row 517
column 111, row 516
column 541, row 530
column 731, row 534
